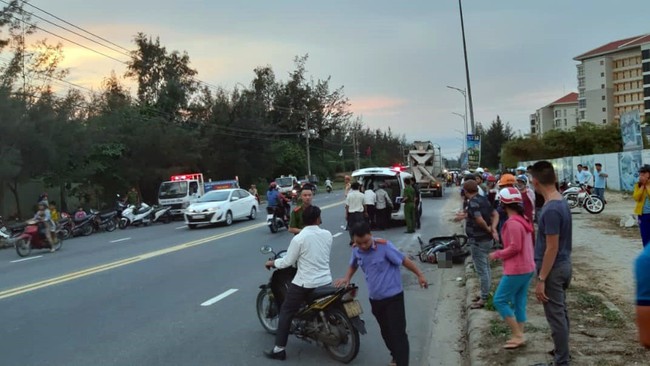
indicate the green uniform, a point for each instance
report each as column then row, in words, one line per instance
column 296, row 218
column 132, row 197
column 409, row 208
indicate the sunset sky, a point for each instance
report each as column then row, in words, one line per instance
column 393, row 58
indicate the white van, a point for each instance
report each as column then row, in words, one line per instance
column 393, row 178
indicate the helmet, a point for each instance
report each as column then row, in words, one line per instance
column 510, row 195
column 507, row 179
column 479, row 170
column 522, row 178
column 522, row 168
column 491, row 178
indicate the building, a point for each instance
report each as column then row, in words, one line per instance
column 614, row 79
column 561, row 114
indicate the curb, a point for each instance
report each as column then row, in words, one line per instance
column 476, row 320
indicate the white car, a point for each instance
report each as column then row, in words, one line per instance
column 221, row 206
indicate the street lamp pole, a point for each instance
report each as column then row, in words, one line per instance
column 464, row 93
column 464, row 117
column 469, row 85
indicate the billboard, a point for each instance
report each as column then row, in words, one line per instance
column 473, row 151
column 631, row 131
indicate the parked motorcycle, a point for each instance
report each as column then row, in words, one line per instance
column 136, row 216
column 106, row 221
column 579, row 196
column 34, row 237
column 455, row 244
column 274, row 219
column 162, row 214
column 330, row 316
column 84, row 226
column 7, row 236
column 65, row 225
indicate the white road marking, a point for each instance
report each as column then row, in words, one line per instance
column 119, row 240
column 26, row 259
column 181, row 227
column 220, row 297
column 337, row 235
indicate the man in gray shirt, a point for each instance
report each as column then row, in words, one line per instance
column 383, row 206
column 553, row 258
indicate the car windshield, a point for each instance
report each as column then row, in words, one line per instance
column 284, row 182
column 173, row 190
column 215, row 196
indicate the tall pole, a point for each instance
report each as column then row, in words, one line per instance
column 469, row 85
column 308, row 153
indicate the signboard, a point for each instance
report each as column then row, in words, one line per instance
column 473, row 151
column 631, row 131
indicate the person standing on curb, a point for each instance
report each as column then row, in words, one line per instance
column 642, row 197
column 481, row 221
column 553, row 258
column 380, row 261
column 355, row 210
column 518, row 266
column 408, row 200
column 600, row 182
column 384, row 206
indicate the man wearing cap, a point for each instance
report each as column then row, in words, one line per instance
column 588, row 177
column 481, row 221
column 642, row 197
column 600, row 182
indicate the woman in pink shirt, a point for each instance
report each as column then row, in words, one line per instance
column 518, row 266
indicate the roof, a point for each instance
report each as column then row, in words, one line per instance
column 378, row 171
column 619, row 45
column 571, row 98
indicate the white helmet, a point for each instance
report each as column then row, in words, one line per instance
column 479, row 170
column 510, row 195
column 522, row 168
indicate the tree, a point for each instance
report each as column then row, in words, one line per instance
column 493, row 140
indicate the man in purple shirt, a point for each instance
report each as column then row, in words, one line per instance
column 381, row 262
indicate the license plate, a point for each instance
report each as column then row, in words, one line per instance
column 353, row 308
column 197, row 217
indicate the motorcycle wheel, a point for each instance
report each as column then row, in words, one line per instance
column 23, row 247
column 266, row 307
column 65, row 233
column 110, row 226
column 594, row 205
column 273, row 227
column 167, row 219
column 59, row 241
column 87, row 230
column 123, row 224
column 348, row 349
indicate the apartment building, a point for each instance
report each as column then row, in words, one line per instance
column 614, row 79
column 561, row 114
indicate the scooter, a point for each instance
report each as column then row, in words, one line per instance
column 328, row 189
column 136, row 216
column 104, row 221
column 274, row 221
column 65, row 225
column 7, row 237
column 162, row 214
column 34, row 237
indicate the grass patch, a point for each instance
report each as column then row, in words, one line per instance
column 613, row 318
column 499, row 328
column 489, row 305
column 588, row 301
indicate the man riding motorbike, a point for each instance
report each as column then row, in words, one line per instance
column 44, row 217
column 278, row 201
column 328, row 184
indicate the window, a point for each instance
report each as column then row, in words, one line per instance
column 602, row 62
column 565, row 113
column 646, row 104
column 604, row 109
column 646, row 91
column 646, row 66
column 582, row 103
column 582, row 114
column 645, row 54
column 602, row 86
column 602, row 74
column 604, row 121
column 565, row 122
column 603, row 97
column 646, row 79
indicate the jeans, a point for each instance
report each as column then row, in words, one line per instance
column 513, row 289
column 353, row 218
column 295, row 297
column 556, row 312
column 644, row 227
column 391, row 317
column 600, row 192
column 372, row 220
column 480, row 251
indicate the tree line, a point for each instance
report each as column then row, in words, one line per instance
column 95, row 144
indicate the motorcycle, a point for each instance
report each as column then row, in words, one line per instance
column 330, row 317
column 136, row 216
column 104, row 221
column 579, row 196
column 161, row 214
column 34, row 237
column 455, row 244
column 7, row 236
column 328, row 188
column 83, row 226
column 65, row 225
column 275, row 221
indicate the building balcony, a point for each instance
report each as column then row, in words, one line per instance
column 628, row 91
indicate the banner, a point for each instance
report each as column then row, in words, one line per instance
column 473, row 151
column 631, row 131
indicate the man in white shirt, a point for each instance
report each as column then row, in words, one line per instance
column 310, row 250
column 580, row 177
column 588, row 178
column 369, row 201
column 383, row 205
column 355, row 210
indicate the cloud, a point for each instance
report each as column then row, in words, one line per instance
column 377, row 105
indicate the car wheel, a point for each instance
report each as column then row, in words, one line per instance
column 228, row 218
column 253, row 214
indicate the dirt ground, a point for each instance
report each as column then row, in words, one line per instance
column 600, row 299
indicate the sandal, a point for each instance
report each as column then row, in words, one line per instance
column 512, row 344
column 477, row 305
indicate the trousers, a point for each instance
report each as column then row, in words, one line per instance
column 480, row 251
column 644, row 227
column 556, row 312
column 294, row 298
column 513, row 289
column 391, row 317
column 409, row 217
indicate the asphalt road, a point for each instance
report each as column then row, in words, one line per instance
column 166, row 295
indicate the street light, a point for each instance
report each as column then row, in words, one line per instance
column 464, row 93
column 464, row 117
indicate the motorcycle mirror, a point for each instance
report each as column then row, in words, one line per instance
column 266, row 249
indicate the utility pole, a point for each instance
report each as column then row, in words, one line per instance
column 308, row 152
column 355, row 142
column 469, row 85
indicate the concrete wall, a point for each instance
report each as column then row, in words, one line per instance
column 597, row 75
column 622, row 167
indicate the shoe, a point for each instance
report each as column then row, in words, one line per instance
column 282, row 355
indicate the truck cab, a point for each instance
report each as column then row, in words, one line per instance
column 285, row 183
column 180, row 191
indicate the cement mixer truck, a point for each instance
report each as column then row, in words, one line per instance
column 426, row 166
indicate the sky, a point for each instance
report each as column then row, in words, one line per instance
column 394, row 59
